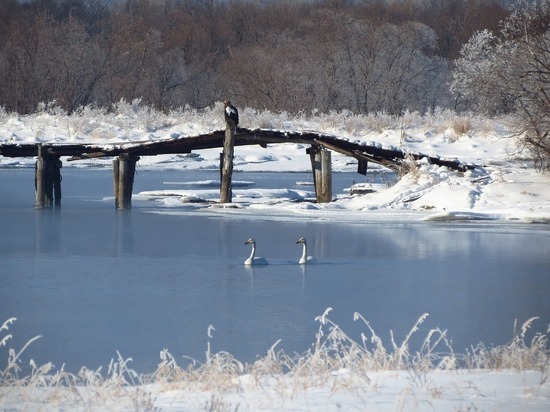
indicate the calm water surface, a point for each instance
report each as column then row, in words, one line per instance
column 92, row 281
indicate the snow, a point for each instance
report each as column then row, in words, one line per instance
column 379, row 391
column 505, row 187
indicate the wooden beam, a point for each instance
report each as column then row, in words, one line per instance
column 392, row 165
column 91, row 155
column 226, row 195
column 390, row 158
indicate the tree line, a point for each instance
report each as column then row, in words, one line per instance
column 364, row 56
column 291, row 55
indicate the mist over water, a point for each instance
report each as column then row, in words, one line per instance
column 92, row 281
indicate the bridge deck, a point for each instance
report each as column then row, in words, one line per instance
column 390, row 158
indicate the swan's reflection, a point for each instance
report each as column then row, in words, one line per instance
column 304, row 270
column 251, row 272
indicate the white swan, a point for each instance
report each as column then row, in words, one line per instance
column 305, row 258
column 252, row 260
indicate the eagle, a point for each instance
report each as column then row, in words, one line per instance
column 231, row 115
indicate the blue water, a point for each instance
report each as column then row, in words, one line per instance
column 92, row 281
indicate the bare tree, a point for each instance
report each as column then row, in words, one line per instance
column 362, row 56
column 511, row 73
column 528, row 79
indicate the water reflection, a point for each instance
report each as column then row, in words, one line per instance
column 47, row 230
column 123, row 234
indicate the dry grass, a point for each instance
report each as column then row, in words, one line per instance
column 409, row 166
column 286, row 376
column 462, row 125
column 517, row 354
column 126, row 119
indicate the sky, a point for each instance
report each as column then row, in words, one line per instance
column 504, row 188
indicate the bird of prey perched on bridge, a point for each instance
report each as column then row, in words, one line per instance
column 231, row 115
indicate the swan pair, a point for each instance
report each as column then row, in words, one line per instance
column 253, row 260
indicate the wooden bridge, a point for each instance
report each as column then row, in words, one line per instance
column 48, row 180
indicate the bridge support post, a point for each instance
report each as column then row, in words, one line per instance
column 226, row 195
column 39, row 180
column 124, row 168
column 322, row 173
column 47, row 180
column 56, row 166
column 362, row 167
column 326, row 177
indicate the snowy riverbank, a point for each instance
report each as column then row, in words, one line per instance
column 504, row 187
column 337, row 373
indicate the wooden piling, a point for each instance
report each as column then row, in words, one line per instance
column 226, row 194
column 123, row 179
column 47, row 179
column 362, row 166
column 131, row 173
column 56, row 180
column 326, row 179
column 39, row 179
column 322, row 173
column 52, row 180
column 116, row 178
column 317, row 175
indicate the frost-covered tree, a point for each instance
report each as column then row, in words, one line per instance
column 475, row 81
column 529, row 77
column 510, row 72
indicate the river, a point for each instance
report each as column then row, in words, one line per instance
column 92, row 281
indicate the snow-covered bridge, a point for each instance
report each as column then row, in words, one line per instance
column 127, row 154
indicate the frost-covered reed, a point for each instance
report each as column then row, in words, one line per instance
column 334, row 360
column 125, row 120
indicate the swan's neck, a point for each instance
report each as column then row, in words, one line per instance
column 303, row 259
column 251, row 258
